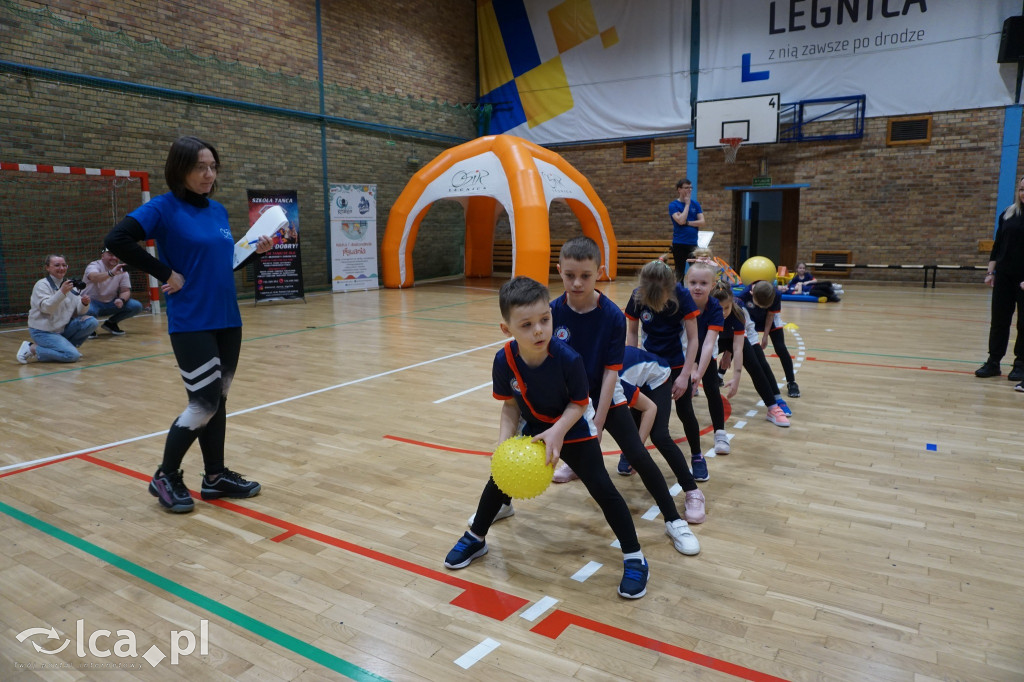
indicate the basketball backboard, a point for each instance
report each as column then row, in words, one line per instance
column 755, row 120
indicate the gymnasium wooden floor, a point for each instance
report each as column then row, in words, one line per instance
column 879, row 538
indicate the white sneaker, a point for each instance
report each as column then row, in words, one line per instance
column 25, row 353
column 504, row 512
column 682, row 537
column 722, row 443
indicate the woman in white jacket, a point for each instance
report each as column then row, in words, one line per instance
column 57, row 319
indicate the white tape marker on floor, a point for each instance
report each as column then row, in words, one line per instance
column 476, row 653
column 590, row 569
column 531, row 614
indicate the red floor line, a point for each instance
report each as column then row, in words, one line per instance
column 474, row 598
column 54, row 461
column 557, row 621
column 872, row 364
column 282, row 537
column 447, row 448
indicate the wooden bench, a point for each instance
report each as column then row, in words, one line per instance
column 633, row 253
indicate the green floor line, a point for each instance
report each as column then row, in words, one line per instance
column 227, row 613
column 81, row 368
column 888, row 355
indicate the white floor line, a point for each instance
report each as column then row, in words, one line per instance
column 462, row 393
column 53, row 458
column 651, row 513
column 531, row 614
column 590, row 569
column 740, row 425
column 472, row 656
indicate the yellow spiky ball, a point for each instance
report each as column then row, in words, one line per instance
column 518, row 468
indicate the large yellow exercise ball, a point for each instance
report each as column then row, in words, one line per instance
column 757, row 267
column 518, row 468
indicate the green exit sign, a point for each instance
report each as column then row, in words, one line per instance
column 763, row 181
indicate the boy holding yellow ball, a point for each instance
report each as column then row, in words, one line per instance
column 543, row 383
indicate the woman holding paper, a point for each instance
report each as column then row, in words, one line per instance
column 196, row 248
column 687, row 219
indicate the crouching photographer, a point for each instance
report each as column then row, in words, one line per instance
column 57, row 320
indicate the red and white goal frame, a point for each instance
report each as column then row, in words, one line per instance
column 142, row 176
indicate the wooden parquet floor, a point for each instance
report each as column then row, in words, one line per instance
column 881, row 537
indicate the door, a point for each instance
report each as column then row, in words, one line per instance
column 766, row 223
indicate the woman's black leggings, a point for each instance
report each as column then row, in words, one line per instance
column 778, row 337
column 681, row 253
column 1006, row 295
column 662, row 438
column 587, row 462
column 207, row 361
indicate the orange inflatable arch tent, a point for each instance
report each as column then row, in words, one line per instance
column 486, row 175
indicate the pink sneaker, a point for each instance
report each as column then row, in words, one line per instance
column 777, row 416
column 694, row 511
column 563, row 474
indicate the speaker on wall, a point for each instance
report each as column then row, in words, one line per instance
column 1011, row 45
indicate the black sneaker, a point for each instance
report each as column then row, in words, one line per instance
column 1017, row 373
column 113, row 328
column 170, row 490
column 989, row 369
column 228, row 483
column 464, row 551
column 793, row 389
column 634, row 578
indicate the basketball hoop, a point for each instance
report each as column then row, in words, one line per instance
column 731, row 145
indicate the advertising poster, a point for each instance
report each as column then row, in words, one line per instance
column 353, row 237
column 278, row 272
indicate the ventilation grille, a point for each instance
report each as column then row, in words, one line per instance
column 909, row 130
column 637, row 150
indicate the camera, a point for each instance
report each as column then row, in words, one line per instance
column 78, row 285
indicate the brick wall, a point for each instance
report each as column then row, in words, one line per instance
column 383, row 65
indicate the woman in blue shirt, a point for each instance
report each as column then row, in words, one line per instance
column 195, row 248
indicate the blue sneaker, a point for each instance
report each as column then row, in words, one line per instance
column 784, row 407
column 464, row 551
column 624, row 468
column 634, row 578
column 699, row 467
